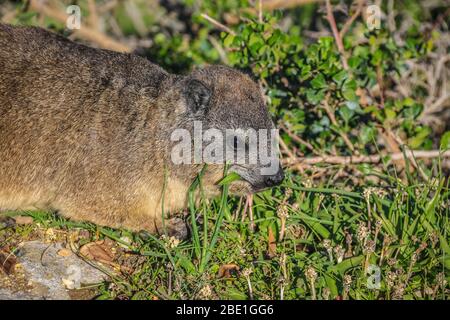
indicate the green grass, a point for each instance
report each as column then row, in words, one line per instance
column 324, row 248
column 327, row 250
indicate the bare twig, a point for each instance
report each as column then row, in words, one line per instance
column 343, row 135
column 410, row 154
column 271, row 5
column 248, row 208
column 108, row 6
column 250, row 211
column 298, row 139
column 93, row 16
column 352, row 19
column 392, row 145
column 267, row 5
column 336, row 34
column 135, row 14
column 219, row 48
column 84, row 32
column 218, row 24
column 380, row 82
column 260, row 11
column 391, row 16
column 438, row 104
column 286, row 149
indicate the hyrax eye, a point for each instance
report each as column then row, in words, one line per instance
column 235, row 143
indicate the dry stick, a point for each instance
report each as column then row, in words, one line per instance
column 380, row 84
column 337, row 37
column 352, row 19
column 218, row 24
column 282, row 228
column 244, row 210
column 298, row 139
column 390, row 138
column 416, row 165
column 286, row 149
column 391, row 143
column 439, row 67
column 410, row 154
column 250, row 212
column 438, row 104
column 260, row 11
column 108, row 6
column 220, row 50
column 85, row 33
column 271, row 5
column 93, row 16
column 343, row 135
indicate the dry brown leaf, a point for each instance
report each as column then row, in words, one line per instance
column 23, row 220
column 7, row 262
column 98, row 251
column 226, row 270
column 272, row 244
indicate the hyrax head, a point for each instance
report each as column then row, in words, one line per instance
column 223, row 112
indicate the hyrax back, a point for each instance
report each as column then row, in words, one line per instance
column 86, row 132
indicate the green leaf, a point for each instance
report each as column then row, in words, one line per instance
column 416, row 141
column 186, row 264
column 347, row 264
column 390, row 113
column 235, row 294
column 228, row 41
column 340, row 77
column 367, row 134
column 349, row 90
column 346, row 113
column 445, row 141
column 331, row 283
column 314, row 96
column 319, row 82
column 232, row 176
column 446, row 262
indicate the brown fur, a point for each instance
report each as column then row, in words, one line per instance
column 86, row 132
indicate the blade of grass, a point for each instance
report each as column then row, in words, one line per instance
column 195, row 234
column 215, row 235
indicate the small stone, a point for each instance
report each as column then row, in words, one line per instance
column 126, row 242
column 64, row 252
column 23, row 220
column 49, row 273
column 69, row 283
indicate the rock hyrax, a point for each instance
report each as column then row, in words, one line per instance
column 88, row 132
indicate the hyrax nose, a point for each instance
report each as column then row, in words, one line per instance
column 275, row 179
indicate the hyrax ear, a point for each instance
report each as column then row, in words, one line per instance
column 198, row 96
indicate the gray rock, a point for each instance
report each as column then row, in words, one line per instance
column 8, row 294
column 51, row 274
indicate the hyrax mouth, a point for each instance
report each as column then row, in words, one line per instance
column 244, row 187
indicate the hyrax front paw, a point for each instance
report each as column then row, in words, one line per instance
column 176, row 227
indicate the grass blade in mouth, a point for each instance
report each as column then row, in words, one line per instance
column 229, row 178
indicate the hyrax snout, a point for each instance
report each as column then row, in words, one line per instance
column 111, row 138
